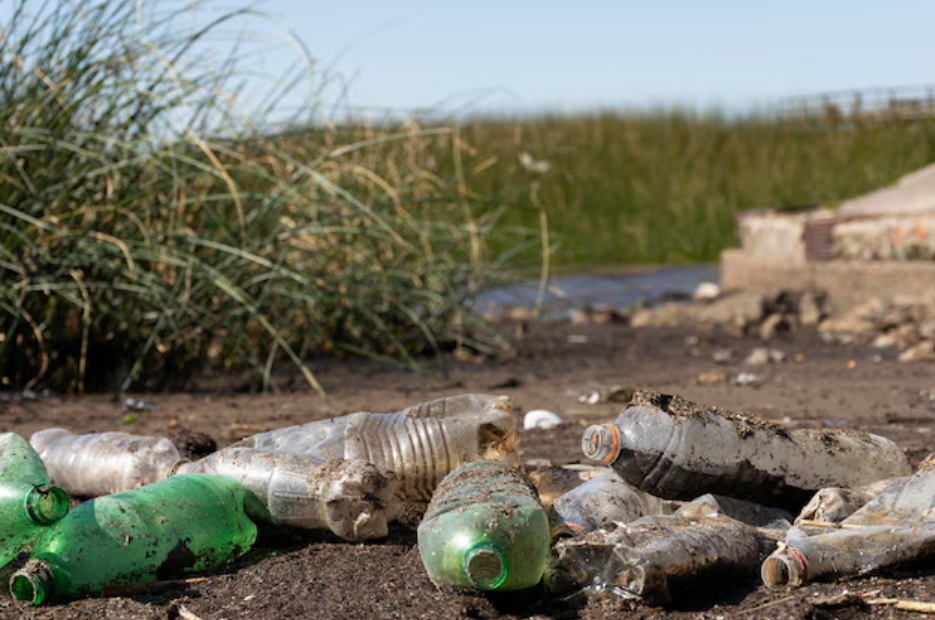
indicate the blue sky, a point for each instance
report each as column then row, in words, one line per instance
column 517, row 55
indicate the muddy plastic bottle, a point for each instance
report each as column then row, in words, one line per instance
column 835, row 504
column 96, row 464
column 28, row 500
column 485, row 530
column 349, row 497
column 896, row 526
column 640, row 559
column 674, row 449
column 183, row 524
column 420, row 444
column 552, row 482
column 601, row 502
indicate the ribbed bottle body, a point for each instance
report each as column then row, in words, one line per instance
column 485, row 529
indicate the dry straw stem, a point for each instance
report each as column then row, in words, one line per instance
column 904, row 605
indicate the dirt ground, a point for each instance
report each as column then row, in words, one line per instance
column 292, row 574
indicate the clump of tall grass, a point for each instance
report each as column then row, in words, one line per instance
column 665, row 186
column 147, row 226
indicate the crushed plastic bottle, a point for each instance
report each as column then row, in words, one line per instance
column 349, row 497
column 601, row 502
column 420, row 444
column 485, row 530
column 28, row 500
column 896, row 526
column 675, row 449
column 833, row 505
column 553, row 482
column 95, row 464
column 183, row 524
column 643, row 560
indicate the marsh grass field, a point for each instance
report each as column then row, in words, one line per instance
column 152, row 229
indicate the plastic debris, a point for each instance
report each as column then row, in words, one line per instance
column 420, row 444
column 835, row 504
column 96, row 464
column 675, row 449
column 351, row 498
column 896, row 526
column 553, row 482
column 184, row 524
column 28, row 500
column 640, row 560
column 485, row 530
column 541, row 418
column 601, row 502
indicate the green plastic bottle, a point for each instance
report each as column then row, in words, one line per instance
column 28, row 501
column 186, row 523
column 485, row 530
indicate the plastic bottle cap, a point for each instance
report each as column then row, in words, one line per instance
column 601, row 442
column 45, row 504
column 486, row 566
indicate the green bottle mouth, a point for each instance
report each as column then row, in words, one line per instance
column 32, row 583
column 45, row 504
column 486, row 566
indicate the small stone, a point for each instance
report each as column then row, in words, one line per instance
column 924, row 351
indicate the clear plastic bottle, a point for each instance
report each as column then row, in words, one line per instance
column 184, row 524
column 349, row 497
column 28, row 501
column 675, row 449
column 896, row 526
column 601, row 502
column 420, row 444
column 95, row 464
column 552, row 482
column 639, row 560
column 834, row 504
column 485, row 529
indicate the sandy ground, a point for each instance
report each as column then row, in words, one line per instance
column 291, row 574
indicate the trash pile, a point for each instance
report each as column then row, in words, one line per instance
column 682, row 492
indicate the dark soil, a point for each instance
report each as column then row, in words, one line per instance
column 292, row 574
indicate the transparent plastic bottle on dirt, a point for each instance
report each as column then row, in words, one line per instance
column 675, row 449
column 552, row 482
column 28, row 500
column 896, row 526
column 601, row 502
column 349, row 497
column 485, row 530
column 183, row 524
column 639, row 560
column 420, row 444
column 94, row 464
column 834, row 504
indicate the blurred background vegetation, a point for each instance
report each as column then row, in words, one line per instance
column 150, row 229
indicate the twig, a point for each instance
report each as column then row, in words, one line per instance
column 904, row 605
column 835, row 526
column 778, row 601
column 187, row 615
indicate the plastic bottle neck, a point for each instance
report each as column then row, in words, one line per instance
column 34, row 582
column 601, row 442
column 45, row 504
column 486, row 566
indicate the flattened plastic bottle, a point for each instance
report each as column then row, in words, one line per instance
column 639, row 560
column 833, row 505
column 28, row 500
column 420, row 444
column 674, row 449
column 94, row 464
column 180, row 525
column 599, row 503
column 896, row 526
column 349, row 497
column 485, row 530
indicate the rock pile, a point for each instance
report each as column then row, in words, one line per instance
column 904, row 324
